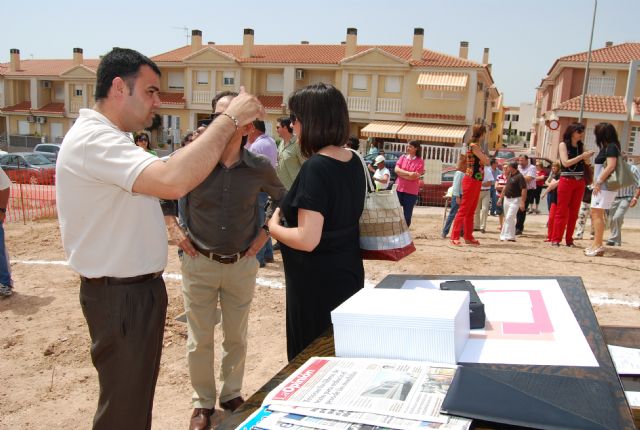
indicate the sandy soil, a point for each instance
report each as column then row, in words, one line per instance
column 47, row 380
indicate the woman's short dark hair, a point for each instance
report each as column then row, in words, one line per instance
column 285, row 122
column 416, row 144
column 605, row 134
column 572, row 128
column 322, row 111
column 353, row 143
column 123, row 63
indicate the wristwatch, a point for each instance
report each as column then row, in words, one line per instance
column 266, row 229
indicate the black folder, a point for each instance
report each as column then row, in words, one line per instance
column 532, row 400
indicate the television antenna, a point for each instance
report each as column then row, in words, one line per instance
column 186, row 32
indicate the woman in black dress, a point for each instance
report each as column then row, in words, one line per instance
column 320, row 247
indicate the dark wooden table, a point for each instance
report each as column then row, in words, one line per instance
column 576, row 295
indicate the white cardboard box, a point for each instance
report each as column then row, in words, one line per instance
column 425, row 325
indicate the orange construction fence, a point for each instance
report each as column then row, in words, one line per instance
column 30, row 202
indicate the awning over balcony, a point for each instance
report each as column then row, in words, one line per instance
column 443, row 81
column 433, row 132
column 388, row 129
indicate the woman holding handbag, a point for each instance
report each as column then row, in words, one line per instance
column 602, row 198
column 320, row 247
column 571, row 184
column 471, row 184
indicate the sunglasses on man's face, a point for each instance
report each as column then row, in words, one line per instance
column 143, row 139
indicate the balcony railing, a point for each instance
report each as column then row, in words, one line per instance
column 389, row 105
column 359, row 104
column 446, row 154
column 202, row 97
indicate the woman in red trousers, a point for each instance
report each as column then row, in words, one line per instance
column 471, row 184
column 571, row 184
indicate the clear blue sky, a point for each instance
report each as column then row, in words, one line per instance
column 524, row 36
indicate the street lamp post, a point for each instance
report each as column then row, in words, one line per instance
column 586, row 72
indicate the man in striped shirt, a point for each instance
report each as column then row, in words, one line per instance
column 626, row 198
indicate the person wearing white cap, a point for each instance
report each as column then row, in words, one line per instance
column 382, row 175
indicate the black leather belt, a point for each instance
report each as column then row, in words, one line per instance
column 110, row 280
column 576, row 178
column 223, row 259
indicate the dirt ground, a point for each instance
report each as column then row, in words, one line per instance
column 47, row 380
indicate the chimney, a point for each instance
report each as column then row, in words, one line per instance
column 352, row 41
column 14, row 66
column 609, row 44
column 418, row 43
column 464, row 49
column 247, row 43
column 485, row 56
column 77, row 56
column 196, row 40
column 304, row 42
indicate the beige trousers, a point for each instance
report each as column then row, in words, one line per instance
column 205, row 282
column 482, row 210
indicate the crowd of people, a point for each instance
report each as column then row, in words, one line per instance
column 227, row 192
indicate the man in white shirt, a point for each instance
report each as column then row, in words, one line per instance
column 113, row 230
column 381, row 176
column 6, row 283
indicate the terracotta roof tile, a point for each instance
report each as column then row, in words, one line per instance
column 319, row 54
column 47, row 67
column 435, row 116
column 271, row 102
column 623, row 53
column 20, row 107
column 51, row 108
column 171, row 98
column 594, row 103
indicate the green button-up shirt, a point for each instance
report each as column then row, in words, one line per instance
column 290, row 160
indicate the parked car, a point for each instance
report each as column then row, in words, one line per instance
column 502, row 155
column 433, row 194
column 391, row 158
column 49, row 150
column 28, row 168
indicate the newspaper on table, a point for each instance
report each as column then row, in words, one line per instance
column 332, row 419
column 403, row 389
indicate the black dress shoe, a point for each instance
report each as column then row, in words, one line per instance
column 201, row 418
column 518, row 232
column 233, row 404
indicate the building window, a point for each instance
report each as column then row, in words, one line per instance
column 602, row 85
column 442, row 95
column 359, row 82
column 202, row 78
column 275, row 82
column 23, row 127
column 634, row 141
column 523, row 133
column 58, row 92
column 515, row 118
column 78, row 91
column 176, row 80
column 528, row 135
column 507, row 117
column 392, row 84
column 228, row 78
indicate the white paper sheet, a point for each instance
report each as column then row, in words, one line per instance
column 553, row 337
column 633, row 397
column 626, row 360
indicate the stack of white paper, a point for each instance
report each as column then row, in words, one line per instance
column 426, row 325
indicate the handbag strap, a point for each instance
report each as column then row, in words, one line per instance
column 368, row 184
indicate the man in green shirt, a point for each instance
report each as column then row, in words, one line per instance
column 289, row 157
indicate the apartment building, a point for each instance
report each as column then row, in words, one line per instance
column 518, row 123
column 613, row 95
column 395, row 93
